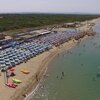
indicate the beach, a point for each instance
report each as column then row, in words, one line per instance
column 37, row 67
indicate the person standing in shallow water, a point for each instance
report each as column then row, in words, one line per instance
column 63, row 74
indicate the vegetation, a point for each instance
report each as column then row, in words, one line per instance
column 18, row 21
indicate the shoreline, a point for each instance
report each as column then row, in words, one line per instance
column 40, row 72
column 33, row 83
column 85, row 37
column 60, row 50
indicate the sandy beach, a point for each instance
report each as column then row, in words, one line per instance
column 36, row 66
column 41, row 62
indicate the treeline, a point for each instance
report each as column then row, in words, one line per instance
column 18, row 21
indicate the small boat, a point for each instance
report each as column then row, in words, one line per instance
column 11, row 84
column 25, row 71
column 16, row 81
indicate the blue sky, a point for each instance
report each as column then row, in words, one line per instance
column 50, row 6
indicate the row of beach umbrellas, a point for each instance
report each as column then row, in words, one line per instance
column 15, row 55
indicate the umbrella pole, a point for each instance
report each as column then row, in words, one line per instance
column 4, row 77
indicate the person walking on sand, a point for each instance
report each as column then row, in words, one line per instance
column 37, row 78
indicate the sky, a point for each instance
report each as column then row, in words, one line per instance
column 50, row 6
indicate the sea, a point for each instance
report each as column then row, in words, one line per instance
column 73, row 75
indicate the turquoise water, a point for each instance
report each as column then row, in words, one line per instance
column 80, row 68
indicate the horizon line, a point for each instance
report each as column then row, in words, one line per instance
column 77, row 13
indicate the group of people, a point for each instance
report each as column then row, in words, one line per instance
column 62, row 75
